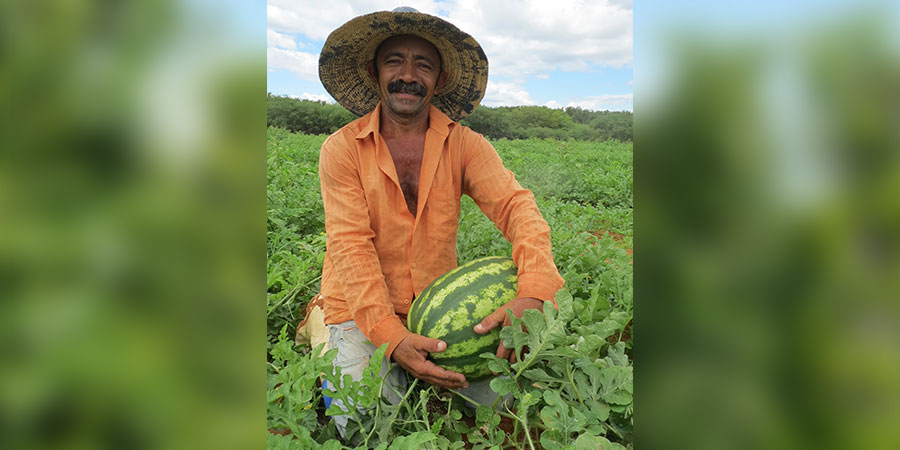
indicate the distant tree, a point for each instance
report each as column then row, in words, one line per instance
column 491, row 122
column 505, row 122
column 541, row 117
column 305, row 116
column 579, row 115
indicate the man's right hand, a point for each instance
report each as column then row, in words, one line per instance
column 411, row 352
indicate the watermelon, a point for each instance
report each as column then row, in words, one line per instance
column 449, row 308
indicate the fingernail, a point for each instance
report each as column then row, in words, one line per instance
column 478, row 328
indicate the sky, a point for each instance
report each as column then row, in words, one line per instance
column 554, row 53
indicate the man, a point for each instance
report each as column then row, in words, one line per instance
column 391, row 183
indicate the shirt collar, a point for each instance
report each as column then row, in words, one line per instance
column 437, row 121
column 370, row 127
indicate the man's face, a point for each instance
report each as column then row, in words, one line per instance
column 409, row 72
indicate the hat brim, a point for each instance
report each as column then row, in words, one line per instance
column 349, row 48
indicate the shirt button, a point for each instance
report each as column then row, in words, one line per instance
column 413, row 265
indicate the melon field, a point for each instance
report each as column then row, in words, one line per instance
column 573, row 387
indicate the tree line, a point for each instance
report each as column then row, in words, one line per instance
column 505, row 122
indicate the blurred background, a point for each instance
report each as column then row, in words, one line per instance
column 132, row 201
column 767, row 225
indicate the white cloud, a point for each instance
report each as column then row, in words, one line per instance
column 542, row 76
column 538, row 36
column 306, row 65
column 506, row 94
column 314, row 97
column 276, row 39
column 553, row 104
column 529, row 37
column 316, row 19
column 611, row 102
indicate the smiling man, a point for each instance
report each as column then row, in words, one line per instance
column 408, row 71
column 391, row 183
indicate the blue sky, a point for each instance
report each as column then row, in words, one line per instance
column 558, row 54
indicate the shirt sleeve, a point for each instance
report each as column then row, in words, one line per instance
column 350, row 246
column 514, row 211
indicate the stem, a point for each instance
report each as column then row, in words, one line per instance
column 374, row 422
column 377, row 412
column 425, row 416
column 464, row 397
column 403, row 400
column 524, row 421
column 574, row 387
column 290, row 294
column 359, row 421
column 613, row 429
column 516, row 432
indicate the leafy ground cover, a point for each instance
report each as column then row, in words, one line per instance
column 573, row 386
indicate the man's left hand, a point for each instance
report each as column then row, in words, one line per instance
column 499, row 317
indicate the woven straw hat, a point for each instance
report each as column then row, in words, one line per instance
column 342, row 63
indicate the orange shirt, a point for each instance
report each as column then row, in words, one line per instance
column 379, row 257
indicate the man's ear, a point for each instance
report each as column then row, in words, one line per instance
column 370, row 67
column 442, row 80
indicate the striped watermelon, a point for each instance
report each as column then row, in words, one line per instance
column 449, row 308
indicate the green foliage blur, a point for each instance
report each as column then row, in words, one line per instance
column 768, row 185
column 131, row 191
column 507, row 122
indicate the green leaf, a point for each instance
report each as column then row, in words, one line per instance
column 278, row 442
column 616, row 384
column 599, row 412
column 496, row 364
column 590, row 343
column 534, row 321
column 484, row 415
column 564, row 301
column 504, row 385
column 550, row 440
column 615, row 356
column 552, row 398
column 539, row 374
column 588, row 441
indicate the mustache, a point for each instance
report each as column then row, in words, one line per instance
column 401, row 87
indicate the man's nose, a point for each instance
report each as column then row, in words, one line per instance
column 407, row 72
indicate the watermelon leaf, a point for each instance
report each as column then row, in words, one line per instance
column 504, row 385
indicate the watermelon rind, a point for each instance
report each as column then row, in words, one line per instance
column 449, row 308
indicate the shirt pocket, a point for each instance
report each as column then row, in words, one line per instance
column 442, row 214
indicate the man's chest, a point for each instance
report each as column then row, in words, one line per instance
column 407, row 159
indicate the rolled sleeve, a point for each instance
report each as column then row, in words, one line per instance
column 350, row 246
column 390, row 330
column 538, row 286
column 514, row 211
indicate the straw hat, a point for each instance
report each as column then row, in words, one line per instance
column 342, row 63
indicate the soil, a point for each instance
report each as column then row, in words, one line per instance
column 618, row 238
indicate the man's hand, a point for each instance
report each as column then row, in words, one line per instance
column 499, row 317
column 411, row 352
